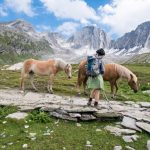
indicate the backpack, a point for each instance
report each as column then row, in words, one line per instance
column 93, row 67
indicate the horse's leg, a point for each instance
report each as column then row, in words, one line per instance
column 78, row 85
column 23, row 76
column 50, row 84
column 116, row 86
column 112, row 84
column 84, row 84
column 22, row 83
column 32, row 83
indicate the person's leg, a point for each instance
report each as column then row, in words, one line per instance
column 92, row 95
column 97, row 93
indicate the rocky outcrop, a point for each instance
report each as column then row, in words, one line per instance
column 90, row 36
column 132, row 42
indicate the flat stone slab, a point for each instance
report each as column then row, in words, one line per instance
column 130, row 123
column 17, row 115
column 118, row 131
column 130, row 138
column 144, row 126
column 74, row 107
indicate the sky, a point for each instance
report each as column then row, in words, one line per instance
column 116, row 17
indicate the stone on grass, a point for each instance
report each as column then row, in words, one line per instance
column 17, row 115
column 129, row 148
column 98, row 130
column 88, row 144
column 118, row 148
column 143, row 125
column 130, row 123
column 118, row 132
column 78, row 124
column 148, row 144
column 25, row 146
column 130, row 138
column 4, row 122
column 26, row 126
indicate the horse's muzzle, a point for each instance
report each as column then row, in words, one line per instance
column 135, row 91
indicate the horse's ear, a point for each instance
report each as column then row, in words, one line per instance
column 131, row 76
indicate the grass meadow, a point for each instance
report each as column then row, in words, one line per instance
column 66, row 135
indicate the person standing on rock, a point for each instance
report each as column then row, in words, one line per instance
column 95, row 69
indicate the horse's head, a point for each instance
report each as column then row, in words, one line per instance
column 133, row 83
column 68, row 70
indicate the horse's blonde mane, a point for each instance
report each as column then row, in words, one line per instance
column 61, row 63
column 125, row 72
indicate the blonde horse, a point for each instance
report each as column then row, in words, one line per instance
column 50, row 67
column 112, row 73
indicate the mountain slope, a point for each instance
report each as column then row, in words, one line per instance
column 134, row 41
column 20, row 37
column 138, row 59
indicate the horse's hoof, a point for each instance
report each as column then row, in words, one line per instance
column 85, row 94
column 51, row 92
column 78, row 94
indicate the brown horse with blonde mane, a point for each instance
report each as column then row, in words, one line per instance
column 50, row 67
column 112, row 73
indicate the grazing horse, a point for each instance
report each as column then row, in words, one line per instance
column 50, row 67
column 112, row 73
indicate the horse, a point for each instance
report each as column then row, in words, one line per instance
column 50, row 67
column 112, row 73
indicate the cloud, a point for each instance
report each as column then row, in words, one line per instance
column 20, row 6
column 77, row 10
column 2, row 11
column 67, row 28
column 123, row 16
column 43, row 27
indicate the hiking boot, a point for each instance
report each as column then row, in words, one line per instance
column 96, row 104
column 89, row 102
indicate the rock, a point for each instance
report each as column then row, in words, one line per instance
column 86, row 117
column 129, row 148
column 144, row 126
column 88, row 144
column 26, row 126
column 105, row 113
column 118, row 148
column 146, row 92
column 148, row 144
column 98, row 130
column 66, row 117
column 25, row 146
column 78, row 125
column 75, row 115
column 17, row 115
column 130, row 123
column 127, row 138
column 130, row 138
column 145, row 104
column 118, row 132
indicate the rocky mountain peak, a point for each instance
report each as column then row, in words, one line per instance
column 20, row 25
column 90, row 36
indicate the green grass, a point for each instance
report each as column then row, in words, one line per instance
column 64, row 134
column 64, row 86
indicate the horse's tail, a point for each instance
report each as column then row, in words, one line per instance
column 24, row 72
